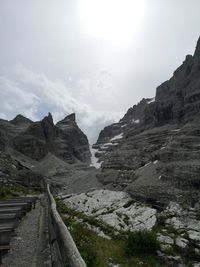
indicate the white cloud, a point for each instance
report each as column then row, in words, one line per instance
column 23, row 91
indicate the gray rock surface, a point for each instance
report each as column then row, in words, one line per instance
column 157, row 158
column 64, row 139
column 43, row 148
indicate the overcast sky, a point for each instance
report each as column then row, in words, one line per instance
column 96, row 58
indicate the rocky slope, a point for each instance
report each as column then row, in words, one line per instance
column 43, row 147
column 177, row 227
column 112, row 135
column 157, row 158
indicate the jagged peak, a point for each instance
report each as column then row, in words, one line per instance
column 20, row 119
column 136, row 111
column 68, row 120
column 48, row 119
column 197, row 50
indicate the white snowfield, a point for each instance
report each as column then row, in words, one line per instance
column 106, row 145
column 114, row 208
column 102, row 149
column 135, row 121
column 119, row 136
column 151, row 101
column 94, row 159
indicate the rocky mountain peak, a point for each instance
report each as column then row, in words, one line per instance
column 136, row 113
column 20, row 119
column 197, row 51
column 48, row 119
column 133, row 117
column 157, row 156
column 64, row 140
column 48, row 127
column 71, row 117
column 69, row 120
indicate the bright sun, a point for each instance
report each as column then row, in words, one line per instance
column 114, row 21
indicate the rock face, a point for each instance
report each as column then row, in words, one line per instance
column 112, row 135
column 12, row 171
column 176, row 227
column 115, row 209
column 36, row 139
column 133, row 117
column 73, row 139
column 20, row 120
column 153, row 152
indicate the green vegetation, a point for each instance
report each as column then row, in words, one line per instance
column 98, row 251
column 72, row 214
column 198, row 215
column 126, row 219
column 170, row 251
column 142, row 243
column 108, row 211
column 129, row 203
column 8, row 191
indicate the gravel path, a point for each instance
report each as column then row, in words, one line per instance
column 29, row 246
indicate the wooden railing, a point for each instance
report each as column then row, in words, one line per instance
column 63, row 249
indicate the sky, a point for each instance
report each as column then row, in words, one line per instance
column 96, row 58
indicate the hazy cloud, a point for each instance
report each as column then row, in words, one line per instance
column 23, row 91
column 65, row 69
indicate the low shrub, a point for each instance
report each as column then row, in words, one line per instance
column 86, row 243
column 141, row 242
column 9, row 191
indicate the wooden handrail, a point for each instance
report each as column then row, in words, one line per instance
column 68, row 250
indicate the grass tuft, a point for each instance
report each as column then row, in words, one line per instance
column 9, row 191
column 142, row 242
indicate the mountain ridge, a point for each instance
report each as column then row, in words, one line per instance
column 157, row 157
column 36, row 139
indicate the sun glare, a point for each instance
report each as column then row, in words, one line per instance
column 115, row 21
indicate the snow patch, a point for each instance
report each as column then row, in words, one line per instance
column 135, row 121
column 119, row 136
column 176, row 130
column 151, row 101
column 145, row 165
column 94, row 159
column 107, row 145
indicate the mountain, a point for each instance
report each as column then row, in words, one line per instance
column 42, row 148
column 36, row 139
column 111, row 135
column 153, row 151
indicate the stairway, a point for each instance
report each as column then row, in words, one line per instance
column 11, row 213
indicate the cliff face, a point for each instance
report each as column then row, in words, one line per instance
column 158, row 157
column 178, row 99
column 113, row 134
column 36, row 139
column 31, row 151
column 73, row 138
column 133, row 117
